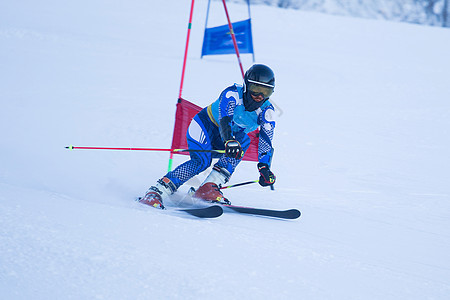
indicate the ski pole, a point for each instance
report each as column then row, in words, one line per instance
column 71, row 147
column 238, row 184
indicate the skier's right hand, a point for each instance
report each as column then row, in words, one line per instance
column 233, row 149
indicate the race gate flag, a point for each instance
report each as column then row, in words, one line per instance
column 185, row 112
column 217, row 40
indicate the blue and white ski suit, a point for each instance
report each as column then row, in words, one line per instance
column 203, row 133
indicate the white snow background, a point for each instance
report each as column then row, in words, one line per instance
column 361, row 148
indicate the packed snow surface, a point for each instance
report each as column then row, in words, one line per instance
column 361, row 148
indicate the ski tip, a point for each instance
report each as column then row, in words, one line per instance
column 213, row 211
column 217, row 209
column 294, row 213
column 281, row 214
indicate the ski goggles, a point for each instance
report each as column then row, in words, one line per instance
column 258, row 88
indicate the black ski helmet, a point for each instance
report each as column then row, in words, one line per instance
column 259, row 79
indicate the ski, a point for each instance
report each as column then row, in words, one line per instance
column 282, row 214
column 204, row 212
column 213, row 211
column 217, row 210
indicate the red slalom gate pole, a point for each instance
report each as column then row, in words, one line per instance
column 184, row 69
column 118, row 148
column 141, row 149
column 233, row 37
column 186, row 48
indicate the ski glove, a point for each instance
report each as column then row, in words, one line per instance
column 266, row 176
column 233, row 149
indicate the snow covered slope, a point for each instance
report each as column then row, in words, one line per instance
column 362, row 146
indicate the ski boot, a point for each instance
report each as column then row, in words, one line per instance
column 158, row 193
column 210, row 190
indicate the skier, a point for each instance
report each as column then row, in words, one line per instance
column 224, row 125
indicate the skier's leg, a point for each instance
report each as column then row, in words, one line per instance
column 220, row 174
column 197, row 138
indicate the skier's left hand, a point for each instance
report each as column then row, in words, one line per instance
column 266, row 176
